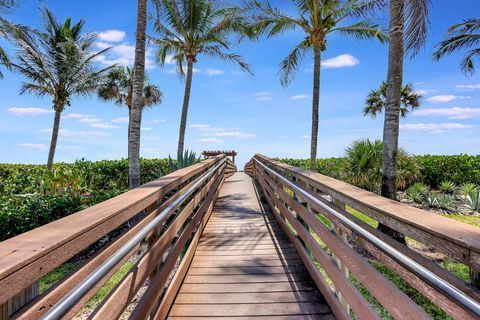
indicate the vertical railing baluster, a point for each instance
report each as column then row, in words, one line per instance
column 16, row 303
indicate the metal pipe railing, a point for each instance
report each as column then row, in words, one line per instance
column 440, row 284
column 70, row 299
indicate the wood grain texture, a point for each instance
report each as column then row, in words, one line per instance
column 245, row 265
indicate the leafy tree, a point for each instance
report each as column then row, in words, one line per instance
column 57, row 61
column 118, row 86
column 316, row 19
column 460, row 36
column 191, row 28
column 375, row 102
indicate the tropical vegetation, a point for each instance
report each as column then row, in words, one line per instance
column 189, row 29
column 5, row 30
column 57, row 61
column 462, row 36
column 376, row 99
column 317, row 20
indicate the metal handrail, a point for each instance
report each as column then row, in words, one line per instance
column 70, row 299
column 448, row 289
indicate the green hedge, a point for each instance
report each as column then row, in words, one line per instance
column 433, row 168
column 24, row 205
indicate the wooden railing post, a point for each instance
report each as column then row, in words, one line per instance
column 475, row 277
column 343, row 236
column 21, row 299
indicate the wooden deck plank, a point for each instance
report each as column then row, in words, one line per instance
column 245, row 266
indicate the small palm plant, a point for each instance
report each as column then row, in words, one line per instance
column 117, row 86
column 376, row 100
column 185, row 159
column 418, row 192
column 460, row 36
column 57, row 61
column 192, row 28
column 448, row 187
column 467, row 188
column 474, row 200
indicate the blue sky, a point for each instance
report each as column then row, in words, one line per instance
column 230, row 109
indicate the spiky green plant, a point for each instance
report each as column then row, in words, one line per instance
column 185, row 159
column 467, row 188
column 448, row 187
column 418, row 192
column 473, row 198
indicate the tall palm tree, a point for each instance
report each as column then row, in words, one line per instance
column 375, row 102
column 407, row 32
column 462, row 36
column 316, row 19
column 57, row 61
column 5, row 30
column 190, row 28
column 118, row 86
column 135, row 122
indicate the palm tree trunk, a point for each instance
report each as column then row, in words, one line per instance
column 315, row 107
column 392, row 107
column 135, row 121
column 53, row 141
column 186, row 101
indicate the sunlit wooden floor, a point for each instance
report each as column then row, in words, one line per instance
column 245, row 267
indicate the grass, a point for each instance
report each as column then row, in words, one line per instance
column 60, row 272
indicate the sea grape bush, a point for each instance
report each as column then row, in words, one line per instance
column 31, row 195
column 434, row 169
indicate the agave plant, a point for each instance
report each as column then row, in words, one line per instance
column 185, row 159
column 418, row 192
column 448, row 187
column 474, row 200
column 468, row 188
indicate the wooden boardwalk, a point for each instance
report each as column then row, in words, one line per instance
column 245, row 266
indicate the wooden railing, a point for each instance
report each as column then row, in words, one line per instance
column 30, row 256
column 312, row 210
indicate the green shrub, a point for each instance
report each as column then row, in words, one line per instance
column 457, row 169
column 474, row 200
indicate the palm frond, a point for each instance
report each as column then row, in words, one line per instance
column 290, row 64
column 416, row 24
column 364, row 30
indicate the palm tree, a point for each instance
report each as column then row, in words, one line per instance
column 375, row 102
column 57, row 61
column 407, row 32
column 135, row 119
column 462, row 36
column 5, row 30
column 316, row 19
column 118, row 86
column 190, row 28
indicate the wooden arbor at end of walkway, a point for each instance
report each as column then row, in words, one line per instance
column 194, row 256
column 209, row 154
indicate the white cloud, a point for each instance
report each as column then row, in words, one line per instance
column 468, row 86
column 233, row 134
column 122, row 54
column 300, row 96
column 158, row 121
column 305, row 136
column 343, row 60
column 435, row 127
column 120, row 120
column 103, row 125
column 423, row 92
column 29, row 111
column 202, row 127
column 263, row 96
column 214, row 72
column 89, row 120
column 33, row 146
column 67, row 133
column 78, row 116
column 451, row 113
column 111, row 35
column 210, row 140
column 446, row 98
column 147, row 129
